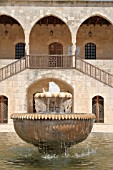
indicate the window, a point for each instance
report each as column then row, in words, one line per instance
column 98, row 108
column 3, row 109
column 90, row 51
column 19, row 50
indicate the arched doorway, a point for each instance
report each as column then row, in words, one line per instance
column 98, row 108
column 3, row 109
column 97, row 32
column 55, row 49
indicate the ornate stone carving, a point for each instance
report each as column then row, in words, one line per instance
column 53, row 102
column 66, row 106
column 40, row 105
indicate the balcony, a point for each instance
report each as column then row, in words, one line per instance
column 51, row 61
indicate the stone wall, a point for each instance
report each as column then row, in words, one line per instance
column 7, row 42
column 5, row 62
column 84, row 89
column 73, row 16
column 40, row 38
column 102, row 37
column 106, row 65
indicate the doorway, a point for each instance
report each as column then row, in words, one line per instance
column 98, row 108
column 56, row 58
column 3, row 109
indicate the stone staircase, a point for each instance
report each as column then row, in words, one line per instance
column 94, row 72
column 44, row 62
column 14, row 68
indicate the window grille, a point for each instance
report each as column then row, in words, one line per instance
column 19, row 50
column 3, row 109
column 90, row 51
column 98, row 108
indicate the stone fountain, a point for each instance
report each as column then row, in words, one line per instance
column 53, row 127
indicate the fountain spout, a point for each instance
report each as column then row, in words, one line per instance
column 57, row 102
column 53, row 124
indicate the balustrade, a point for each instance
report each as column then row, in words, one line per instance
column 94, row 72
column 56, row 62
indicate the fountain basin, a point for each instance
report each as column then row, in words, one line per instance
column 53, row 131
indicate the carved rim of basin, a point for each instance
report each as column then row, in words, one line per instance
column 35, row 116
column 54, row 94
column 51, row 131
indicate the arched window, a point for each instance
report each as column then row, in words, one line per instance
column 19, row 50
column 55, row 49
column 98, row 108
column 3, row 109
column 90, row 51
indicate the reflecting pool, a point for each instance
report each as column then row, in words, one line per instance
column 96, row 152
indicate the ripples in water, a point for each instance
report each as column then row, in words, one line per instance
column 94, row 153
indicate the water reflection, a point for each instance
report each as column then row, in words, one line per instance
column 94, row 153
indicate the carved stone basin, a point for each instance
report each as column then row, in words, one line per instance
column 53, row 102
column 51, row 132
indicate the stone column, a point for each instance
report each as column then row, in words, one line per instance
column 27, row 43
column 74, row 52
column 73, row 48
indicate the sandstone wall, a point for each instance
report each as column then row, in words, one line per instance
column 84, row 89
column 73, row 16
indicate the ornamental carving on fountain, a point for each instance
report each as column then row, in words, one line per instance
column 53, row 127
column 53, row 101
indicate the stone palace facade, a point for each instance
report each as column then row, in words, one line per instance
column 66, row 42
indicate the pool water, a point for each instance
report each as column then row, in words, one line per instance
column 95, row 153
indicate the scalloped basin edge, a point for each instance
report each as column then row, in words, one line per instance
column 53, row 130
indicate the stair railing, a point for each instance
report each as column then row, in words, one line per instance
column 93, row 71
column 45, row 62
column 14, row 68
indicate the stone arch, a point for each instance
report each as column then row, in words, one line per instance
column 86, row 16
column 61, row 32
column 83, row 36
column 19, row 41
column 61, row 17
column 49, row 75
column 42, row 82
column 55, row 40
column 11, row 31
column 14, row 17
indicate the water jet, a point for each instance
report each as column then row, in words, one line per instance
column 53, row 127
